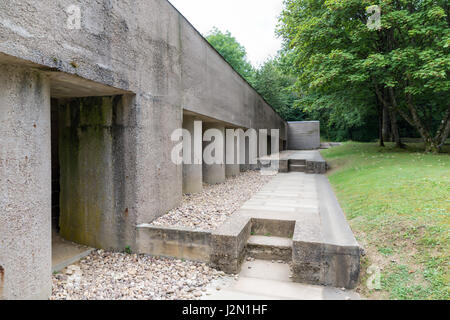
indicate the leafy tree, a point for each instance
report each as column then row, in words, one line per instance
column 233, row 52
column 404, row 64
column 276, row 87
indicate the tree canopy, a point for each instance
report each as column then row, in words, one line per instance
column 401, row 67
column 232, row 51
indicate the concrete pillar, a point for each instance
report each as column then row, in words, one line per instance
column 25, row 184
column 192, row 173
column 232, row 167
column 214, row 173
column 245, row 148
column 249, row 150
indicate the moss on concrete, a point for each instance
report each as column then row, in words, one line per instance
column 85, row 161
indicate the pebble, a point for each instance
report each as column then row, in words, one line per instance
column 210, row 208
column 115, row 276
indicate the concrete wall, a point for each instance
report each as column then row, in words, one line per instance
column 212, row 88
column 179, row 243
column 144, row 50
column 25, row 184
column 144, row 47
column 96, row 189
column 126, row 45
column 303, row 135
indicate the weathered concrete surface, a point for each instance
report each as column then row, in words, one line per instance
column 228, row 243
column 192, row 172
column 147, row 52
column 180, row 243
column 264, row 280
column 324, row 250
column 310, row 161
column 232, row 166
column 65, row 253
column 274, row 227
column 295, row 217
column 303, row 135
column 144, row 47
column 215, row 173
column 25, row 184
column 94, row 208
column 269, row 248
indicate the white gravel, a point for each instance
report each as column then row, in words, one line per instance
column 209, row 209
column 107, row 275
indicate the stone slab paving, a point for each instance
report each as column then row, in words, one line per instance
column 267, row 280
column 309, row 155
column 285, row 197
column 324, row 250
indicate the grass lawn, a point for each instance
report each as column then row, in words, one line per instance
column 398, row 204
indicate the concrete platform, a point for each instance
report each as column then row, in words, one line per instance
column 294, row 218
column 324, row 250
column 269, row 248
column 269, row 241
column 65, row 253
column 309, row 161
column 264, row 280
column 308, row 155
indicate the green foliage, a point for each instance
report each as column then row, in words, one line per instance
column 276, row 87
column 405, row 64
column 396, row 201
column 232, row 51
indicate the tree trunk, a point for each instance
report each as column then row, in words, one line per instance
column 391, row 108
column 380, row 123
column 393, row 116
column 394, row 129
column 387, row 136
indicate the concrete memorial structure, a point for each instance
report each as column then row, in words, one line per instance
column 303, row 135
column 97, row 98
column 101, row 86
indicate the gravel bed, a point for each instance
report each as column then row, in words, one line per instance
column 110, row 275
column 210, row 208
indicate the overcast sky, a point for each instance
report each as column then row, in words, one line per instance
column 251, row 22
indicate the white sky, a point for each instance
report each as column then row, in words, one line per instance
column 251, row 22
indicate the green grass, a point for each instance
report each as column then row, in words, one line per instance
column 397, row 202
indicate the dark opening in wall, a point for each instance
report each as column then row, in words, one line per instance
column 55, row 164
column 269, row 145
column 89, row 165
column 2, row 281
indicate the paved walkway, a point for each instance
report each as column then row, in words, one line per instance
column 308, row 200
column 264, row 280
column 309, row 155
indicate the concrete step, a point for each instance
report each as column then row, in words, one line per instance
column 264, row 280
column 297, row 168
column 297, row 161
column 269, row 248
